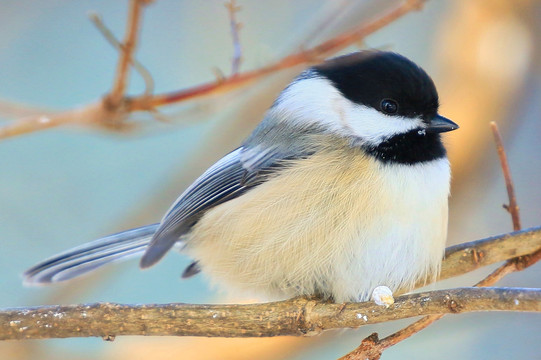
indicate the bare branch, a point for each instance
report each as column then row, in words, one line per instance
column 472, row 256
column 292, row 317
column 108, row 35
column 115, row 98
column 302, row 57
column 298, row 317
column 93, row 113
column 512, row 208
column 371, row 347
column 115, row 107
column 18, row 110
column 233, row 9
column 521, row 261
column 466, row 257
column 109, row 112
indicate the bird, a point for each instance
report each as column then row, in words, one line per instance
column 341, row 188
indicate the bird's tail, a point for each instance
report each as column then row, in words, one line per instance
column 90, row 256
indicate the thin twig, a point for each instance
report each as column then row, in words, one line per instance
column 520, row 262
column 371, row 347
column 109, row 112
column 297, row 317
column 302, row 57
column 112, row 111
column 512, row 208
column 233, row 9
column 110, row 37
column 116, row 96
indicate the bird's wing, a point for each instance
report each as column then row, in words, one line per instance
column 227, row 179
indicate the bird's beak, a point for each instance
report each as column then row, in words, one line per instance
column 441, row 124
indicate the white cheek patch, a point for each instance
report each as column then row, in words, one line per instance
column 315, row 100
column 310, row 101
column 373, row 126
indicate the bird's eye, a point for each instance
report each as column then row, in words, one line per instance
column 389, row 106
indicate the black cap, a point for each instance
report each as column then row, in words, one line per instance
column 370, row 77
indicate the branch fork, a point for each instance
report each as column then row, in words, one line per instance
column 112, row 112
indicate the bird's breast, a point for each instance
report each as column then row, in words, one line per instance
column 338, row 223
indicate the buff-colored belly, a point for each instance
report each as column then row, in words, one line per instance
column 328, row 225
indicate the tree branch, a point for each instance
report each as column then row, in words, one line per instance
column 466, row 257
column 292, row 317
column 233, row 9
column 512, row 208
column 113, row 109
column 302, row 57
column 115, row 98
column 298, row 317
column 117, row 45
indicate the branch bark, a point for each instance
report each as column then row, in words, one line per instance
column 298, row 317
column 466, row 257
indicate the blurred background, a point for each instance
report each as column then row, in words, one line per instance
column 65, row 186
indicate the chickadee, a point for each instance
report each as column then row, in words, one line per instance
column 341, row 188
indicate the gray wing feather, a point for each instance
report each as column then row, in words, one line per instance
column 262, row 154
column 87, row 257
column 225, row 180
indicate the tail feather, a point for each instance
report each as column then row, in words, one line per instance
column 90, row 256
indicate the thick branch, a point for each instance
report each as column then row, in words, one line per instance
column 292, row 317
column 298, row 317
column 466, row 257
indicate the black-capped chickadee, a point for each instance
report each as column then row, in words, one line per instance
column 341, row 188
